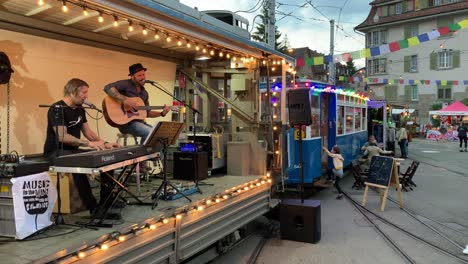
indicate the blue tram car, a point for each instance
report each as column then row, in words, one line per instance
column 338, row 118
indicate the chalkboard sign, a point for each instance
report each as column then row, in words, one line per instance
column 380, row 170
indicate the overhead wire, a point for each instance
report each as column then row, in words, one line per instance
column 252, row 9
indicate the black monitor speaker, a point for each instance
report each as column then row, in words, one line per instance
column 300, row 221
column 299, row 107
column 188, row 164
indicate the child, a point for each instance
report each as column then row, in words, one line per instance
column 338, row 168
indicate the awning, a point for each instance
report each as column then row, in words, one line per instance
column 399, row 111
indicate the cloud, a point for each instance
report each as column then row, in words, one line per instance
column 306, row 26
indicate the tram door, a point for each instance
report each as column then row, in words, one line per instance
column 327, row 126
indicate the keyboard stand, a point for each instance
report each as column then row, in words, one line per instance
column 118, row 183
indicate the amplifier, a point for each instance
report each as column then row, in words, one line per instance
column 186, row 162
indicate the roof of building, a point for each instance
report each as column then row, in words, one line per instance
column 369, row 21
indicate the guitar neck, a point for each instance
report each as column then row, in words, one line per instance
column 150, row 107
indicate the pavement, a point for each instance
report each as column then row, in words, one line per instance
column 346, row 237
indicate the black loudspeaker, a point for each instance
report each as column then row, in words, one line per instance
column 186, row 162
column 299, row 107
column 300, row 221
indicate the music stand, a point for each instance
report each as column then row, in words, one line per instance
column 165, row 133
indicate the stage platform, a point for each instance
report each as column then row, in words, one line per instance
column 170, row 233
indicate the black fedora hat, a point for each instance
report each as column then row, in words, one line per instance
column 135, row 68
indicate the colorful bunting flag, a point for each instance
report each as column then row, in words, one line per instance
column 401, row 81
column 384, row 48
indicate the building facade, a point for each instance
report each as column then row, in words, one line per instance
column 443, row 58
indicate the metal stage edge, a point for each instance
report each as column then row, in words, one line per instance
column 192, row 228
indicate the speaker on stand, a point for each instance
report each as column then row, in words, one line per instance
column 300, row 220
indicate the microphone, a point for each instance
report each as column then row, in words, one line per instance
column 150, row 82
column 91, row 105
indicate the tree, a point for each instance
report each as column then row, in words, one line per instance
column 465, row 101
column 261, row 34
column 350, row 67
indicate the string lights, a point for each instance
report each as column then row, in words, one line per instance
column 117, row 237
column 119, row 18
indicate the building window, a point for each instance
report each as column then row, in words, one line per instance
column 414, row 63
column 444, row 92
column 435, row 3
column 414, row 93
column 445, row 60
column 398, row 8
column 376, row 38
column 383, row 37
column 377, row 66
column 414, row 30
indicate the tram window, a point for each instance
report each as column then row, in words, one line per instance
column 341, row 98
column 315, row 111
column 357, row 119
column 364, row 119
column 340, row 120
column 349, row 119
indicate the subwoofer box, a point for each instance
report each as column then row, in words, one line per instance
column 185, row 164
column 300, row 221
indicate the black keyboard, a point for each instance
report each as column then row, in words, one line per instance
column 99, row 158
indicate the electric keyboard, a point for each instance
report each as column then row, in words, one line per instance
column 100, row 158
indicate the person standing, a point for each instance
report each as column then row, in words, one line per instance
column 391, row 138
column 462, row 135
column 125, row 91
column 337, row 168
column 403, row 142
column 66, row 121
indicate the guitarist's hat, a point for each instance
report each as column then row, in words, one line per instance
column 135, row 68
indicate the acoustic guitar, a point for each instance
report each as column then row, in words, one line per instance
column 116, row 114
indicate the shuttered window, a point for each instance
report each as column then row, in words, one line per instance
column 447, row 59
column 391, row 93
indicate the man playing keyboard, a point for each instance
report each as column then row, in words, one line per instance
column 66, row 120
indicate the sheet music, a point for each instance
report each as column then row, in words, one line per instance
column 164, row 130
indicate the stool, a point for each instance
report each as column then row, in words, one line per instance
column 125, row 137
column 137, row 168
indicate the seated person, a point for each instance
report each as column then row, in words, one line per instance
column 371, row 140
column 373, row 150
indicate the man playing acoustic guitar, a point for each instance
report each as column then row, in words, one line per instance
column 127, row 105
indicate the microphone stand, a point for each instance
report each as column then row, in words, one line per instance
column 194, row 112
column 59, row 217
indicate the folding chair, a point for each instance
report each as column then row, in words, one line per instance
column 406, row 178
column 359, row 176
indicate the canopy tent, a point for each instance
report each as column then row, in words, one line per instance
column 457, row 108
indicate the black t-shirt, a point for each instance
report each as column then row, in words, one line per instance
column 72, row 118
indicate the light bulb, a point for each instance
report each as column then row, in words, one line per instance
column 64, row 6
column 40, row 2
column 100, row 18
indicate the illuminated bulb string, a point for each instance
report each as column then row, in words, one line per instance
column 86, row 6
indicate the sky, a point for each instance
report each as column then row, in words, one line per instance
column 308, row 23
